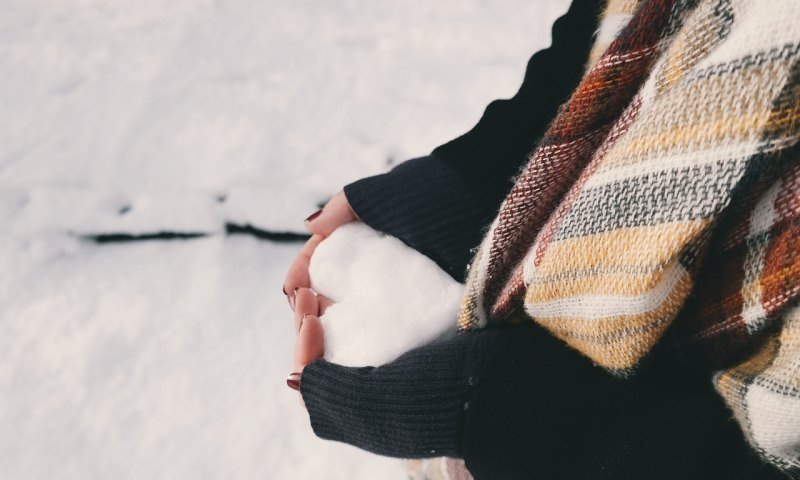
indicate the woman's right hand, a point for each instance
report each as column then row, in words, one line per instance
column 321, row 223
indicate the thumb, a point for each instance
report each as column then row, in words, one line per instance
column 310, row 342
column 335, row 213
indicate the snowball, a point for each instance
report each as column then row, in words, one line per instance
column 389, row 297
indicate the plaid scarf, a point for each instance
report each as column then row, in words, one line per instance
column 664, row 201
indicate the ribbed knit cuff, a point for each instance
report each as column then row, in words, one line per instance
column 413, row 407
column 427, row 204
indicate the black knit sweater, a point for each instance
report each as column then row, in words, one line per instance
column 515, row 402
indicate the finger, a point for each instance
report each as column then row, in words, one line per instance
column 324, row 302
column 297, row 276
column 310, row 343
column 305, row 304
column 336, row 212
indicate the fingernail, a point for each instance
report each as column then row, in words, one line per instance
column 293, row 381
column 313, row 215
column 301, row 321
column 289, row 298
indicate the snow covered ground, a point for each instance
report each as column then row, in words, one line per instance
column 167, row 359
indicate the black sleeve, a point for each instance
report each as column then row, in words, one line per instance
column 517, row 403
column 428, row 205
column 490, row 154
column 413, row 407
column 440, row 204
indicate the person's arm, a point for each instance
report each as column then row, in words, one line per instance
column 413, row 407
column 518, row 403
column 440, row 204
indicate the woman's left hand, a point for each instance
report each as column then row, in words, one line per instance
column 310, row 343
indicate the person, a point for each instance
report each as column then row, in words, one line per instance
column 530, row 399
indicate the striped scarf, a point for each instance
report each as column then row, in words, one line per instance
column 664, row 201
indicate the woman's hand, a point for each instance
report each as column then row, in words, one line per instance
column 321, row 223
column 310, row 338
column 310, row 343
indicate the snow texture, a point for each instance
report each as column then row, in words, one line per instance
column 271, row 105
column 167, row 359
column 389, row 297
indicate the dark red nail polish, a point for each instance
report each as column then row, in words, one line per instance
column 293, row 381
column 313, row 215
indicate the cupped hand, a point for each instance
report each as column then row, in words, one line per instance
column 321, row 223
column 310, row 343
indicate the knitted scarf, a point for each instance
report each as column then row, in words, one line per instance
column 664, row 202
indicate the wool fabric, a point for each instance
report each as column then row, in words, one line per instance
column 663, row 203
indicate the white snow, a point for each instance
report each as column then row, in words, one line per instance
column 167, row 359
column 388, row 297
column 155, row 360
